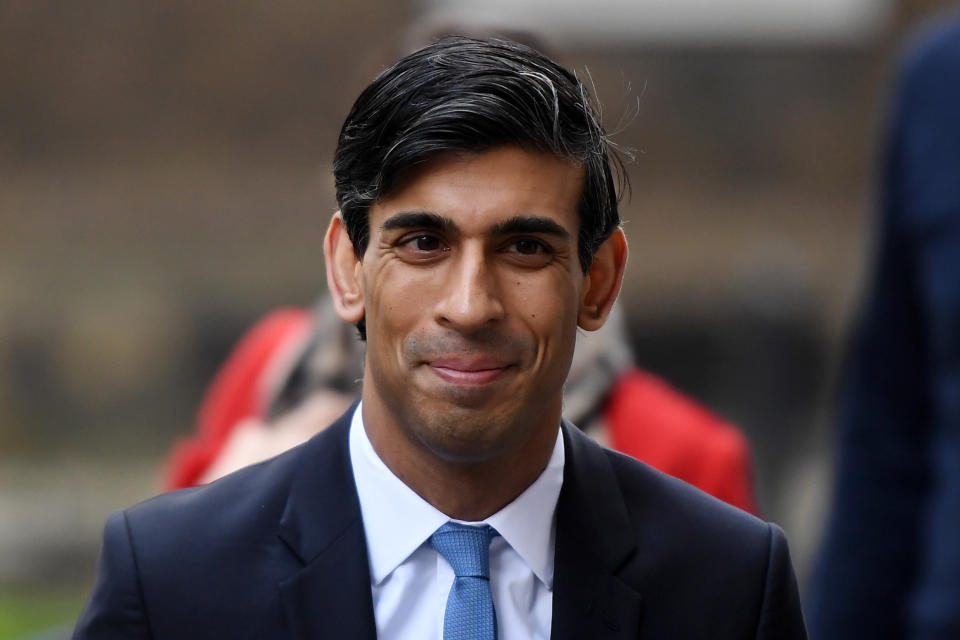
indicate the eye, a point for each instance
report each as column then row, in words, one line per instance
column 529, row 247
column 529, row 253
column 421, row 247
column 423, row 243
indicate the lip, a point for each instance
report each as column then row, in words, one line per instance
column 467, row 371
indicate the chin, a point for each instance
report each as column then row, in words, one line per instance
column 465, row 434
column 470, row 399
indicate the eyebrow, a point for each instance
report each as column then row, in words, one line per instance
column 418, row 220
column 516, row 224
column 530, row 224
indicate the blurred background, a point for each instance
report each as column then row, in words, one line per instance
column 165, row 181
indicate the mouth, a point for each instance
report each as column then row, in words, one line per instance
column 467, row 371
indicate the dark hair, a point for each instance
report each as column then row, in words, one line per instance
column 465, row 95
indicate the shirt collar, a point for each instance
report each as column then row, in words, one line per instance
column 528, row 523
column 397, row 521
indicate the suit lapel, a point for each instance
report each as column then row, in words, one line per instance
column 594, row 539
column 329, row 597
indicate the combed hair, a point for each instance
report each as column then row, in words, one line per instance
column 465, row 95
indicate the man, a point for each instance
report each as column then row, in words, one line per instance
column 890, row 562
column 478, row 229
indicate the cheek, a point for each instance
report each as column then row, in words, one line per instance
column 395, row 300
column 547, row 305
column 550, row 290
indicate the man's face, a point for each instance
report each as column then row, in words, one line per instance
column 471, row 289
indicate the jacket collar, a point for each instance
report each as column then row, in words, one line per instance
column 330, row 596
column 595, row 539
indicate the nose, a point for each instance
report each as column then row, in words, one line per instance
column 471, row 296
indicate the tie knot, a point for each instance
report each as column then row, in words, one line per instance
column 466, row 548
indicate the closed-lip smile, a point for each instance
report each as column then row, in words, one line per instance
column 467, row 370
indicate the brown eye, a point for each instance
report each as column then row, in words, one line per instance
column 529, row 253
column 528, row 247
column 422, row 247
column 425, row 243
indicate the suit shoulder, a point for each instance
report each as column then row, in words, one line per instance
column 699, row 520
column 238, row 535
column 697, row 553
column 223, row 508
column 676, row 546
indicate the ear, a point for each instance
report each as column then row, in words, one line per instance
column 344, row 277
column 602, row 282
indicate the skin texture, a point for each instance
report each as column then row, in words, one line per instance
column 472, row 295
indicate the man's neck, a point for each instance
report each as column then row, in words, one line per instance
column 468, row 491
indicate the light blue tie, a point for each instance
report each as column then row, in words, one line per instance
column 469, row 614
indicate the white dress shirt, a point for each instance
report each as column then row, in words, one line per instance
column 410, row 581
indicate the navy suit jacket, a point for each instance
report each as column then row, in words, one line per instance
column 890, row 563
column 277, row 550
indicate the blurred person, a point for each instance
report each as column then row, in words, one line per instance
column 295, row 371
column 478, row 229
column 889, row 566
column 292, row 374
